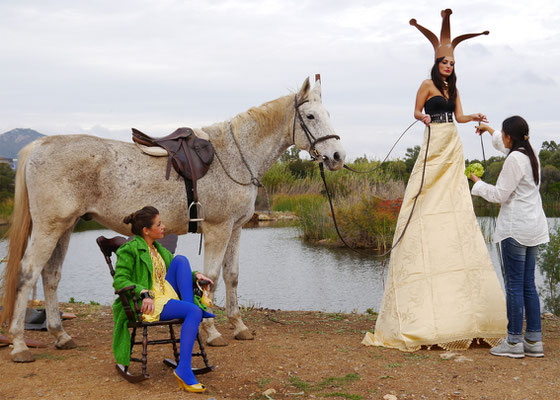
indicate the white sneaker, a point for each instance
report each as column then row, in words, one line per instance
column 505, row 349
column 533, row 349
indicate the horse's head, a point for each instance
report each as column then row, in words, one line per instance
column 313, row 130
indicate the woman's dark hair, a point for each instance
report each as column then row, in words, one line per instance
column 451, row 82
column 140, row 219
column 518, row 130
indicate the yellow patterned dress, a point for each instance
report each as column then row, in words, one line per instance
column 162, row 291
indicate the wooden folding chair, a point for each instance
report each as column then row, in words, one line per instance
column 134, row 315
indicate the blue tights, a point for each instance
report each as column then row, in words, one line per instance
column 179, row 275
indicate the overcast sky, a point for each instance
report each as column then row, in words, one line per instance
column 101, row 67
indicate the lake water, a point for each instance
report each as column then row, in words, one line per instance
column 277, row 270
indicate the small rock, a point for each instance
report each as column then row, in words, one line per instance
column 548, row 315
column 462, row 359
column 515, row 378
column 447, row 355
column 390, row 397
column 268, row 392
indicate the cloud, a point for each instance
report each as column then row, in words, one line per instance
column 102, row 67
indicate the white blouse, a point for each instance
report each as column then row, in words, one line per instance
column 521, row 214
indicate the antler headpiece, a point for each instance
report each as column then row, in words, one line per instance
column 444, row 46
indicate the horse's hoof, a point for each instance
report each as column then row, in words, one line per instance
column 22, row 357
column 244, row 335
column 217, row 342
column 70, row 344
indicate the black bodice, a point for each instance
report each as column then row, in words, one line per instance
column 439, row 104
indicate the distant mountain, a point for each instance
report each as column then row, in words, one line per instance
column 13, row 141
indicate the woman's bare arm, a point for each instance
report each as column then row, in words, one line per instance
column 421, row 97
column 462, row 118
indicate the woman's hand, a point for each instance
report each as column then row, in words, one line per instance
column 474, row 178
column 202, row 277
column 479, row 117
column 480, row 129
column 426, row 119
column 148, row 306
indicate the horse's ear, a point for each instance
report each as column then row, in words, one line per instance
column 317, row 88
column 304, row 91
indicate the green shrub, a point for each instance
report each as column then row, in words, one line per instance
column 549, row 264
column 6, row 208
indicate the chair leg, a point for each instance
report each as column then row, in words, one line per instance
column 174, row 343
column 145, row 351
column 132, row 340
column 208, row 367
column 169, row 362
column 202, row 350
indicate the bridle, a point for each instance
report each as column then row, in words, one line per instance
column 313, row 141
column 315, row 155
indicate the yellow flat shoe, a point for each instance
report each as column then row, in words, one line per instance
column 197, row 388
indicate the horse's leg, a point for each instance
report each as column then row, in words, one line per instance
column 230, row 273
column 42, row 243
column 51, row 277
column 216, row 238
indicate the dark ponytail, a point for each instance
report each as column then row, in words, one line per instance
column 140, row 219
column 451, row 82
column 518, row 130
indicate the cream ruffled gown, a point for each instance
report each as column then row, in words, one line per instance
column 441, row 287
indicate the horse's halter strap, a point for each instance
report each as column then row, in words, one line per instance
column 315, row 155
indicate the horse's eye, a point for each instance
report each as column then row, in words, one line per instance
column 310, row 116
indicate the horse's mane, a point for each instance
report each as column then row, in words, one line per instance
column 267, row 115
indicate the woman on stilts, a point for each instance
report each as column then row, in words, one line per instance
column 441, row 288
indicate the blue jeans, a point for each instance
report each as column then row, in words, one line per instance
column 521, row 293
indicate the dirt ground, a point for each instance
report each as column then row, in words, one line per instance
column 301, row 355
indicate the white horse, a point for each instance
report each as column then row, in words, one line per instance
column 61, row 178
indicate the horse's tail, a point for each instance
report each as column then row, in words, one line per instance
column 20, row 229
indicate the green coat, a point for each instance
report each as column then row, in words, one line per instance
column 133, row 267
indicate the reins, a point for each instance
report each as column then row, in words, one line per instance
column 321, row 169
column 498, row 249
column 386, row 157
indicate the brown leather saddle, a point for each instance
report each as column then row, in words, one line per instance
column 190, row 156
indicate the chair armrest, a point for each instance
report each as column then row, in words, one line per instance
column 126, row 289
column 132, row 315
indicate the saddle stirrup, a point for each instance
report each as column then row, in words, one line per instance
column 199, row 212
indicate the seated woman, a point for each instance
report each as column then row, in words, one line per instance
column 165, row 285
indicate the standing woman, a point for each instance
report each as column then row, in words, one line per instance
column 442, row 288
column 164, row 284
column 521, row 227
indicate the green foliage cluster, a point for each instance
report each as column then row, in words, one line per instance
column 549, row 264
column 6, row 208
column 550, row 169
column 7, row 179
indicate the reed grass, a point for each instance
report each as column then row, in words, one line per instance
column 366, row 208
